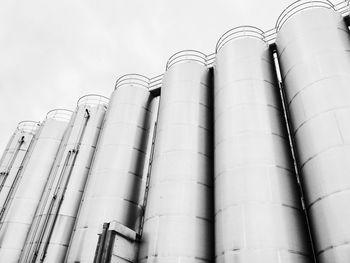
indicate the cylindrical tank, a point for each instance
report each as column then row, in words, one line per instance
column 13, row 159
column 114, row 185
column 313, row 47
column 258, row 211
column 52, row 226
column 19, row 213
column 178, row 225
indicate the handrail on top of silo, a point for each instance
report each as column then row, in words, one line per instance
column 133, row 79
column 298, row 6
column 28, row 126
column 92, row 100
column 238, row 32
column 187, row 55
column 59, row 114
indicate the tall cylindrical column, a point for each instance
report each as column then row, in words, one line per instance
column 313, row 46
column 14, row 159
column 114, row 185
column 179, row 214
column 258, row 212
column 19, row 213
column 52, row 226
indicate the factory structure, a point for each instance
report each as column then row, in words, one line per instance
column 240, row 156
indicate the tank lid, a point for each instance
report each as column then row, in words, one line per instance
column 133, row 79
column 92, row 100
column 298, row 6
column 187, row 55
column 239, row 32
column 59, row 114
column 28, row 126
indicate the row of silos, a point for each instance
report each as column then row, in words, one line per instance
column 219, row 184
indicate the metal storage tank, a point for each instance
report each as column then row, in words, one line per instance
column 258, row 211
column 19, row 213
column 13, row 159
column 313, row 47
column 114, row 186
column 53, row 224
column 19, row 141
column 178, row 225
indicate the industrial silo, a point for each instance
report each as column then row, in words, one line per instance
column 52, row 226
column 178, row 224
column 313, row 48
column 14, row 158
column 114, row 186
column 258, row 211
column 19, row 212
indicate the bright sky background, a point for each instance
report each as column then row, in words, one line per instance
column 53, row 52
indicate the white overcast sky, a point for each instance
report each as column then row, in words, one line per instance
column 53, row 52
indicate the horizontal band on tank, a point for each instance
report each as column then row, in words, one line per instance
column 244, row 203
column 59, row 114
column 183, row 150
column 187, row 55
column 310, row 85
column 28, row 126
column 239, row 32
column 251, row 132
column 92, row 100
column 317, row 115
column 250, row 165
column 321, row 152
column 346, row 243
column 218, row 89
column 133, row 79
column 179, row 215
column 277, row 249
column 242, row 105
column 328, row 195
column 182, row 256
column 299, row 6
column 164, row 127
column 153, row 185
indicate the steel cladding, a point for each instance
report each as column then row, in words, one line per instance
column 178, row 223
column 114, row 186
column 51, row 229
column 20, row 211
column 313, row 47
column 258, row 212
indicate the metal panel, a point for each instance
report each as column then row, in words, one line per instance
column 14, row 158
column 258, row 213
column 20, row 211
column 179, row 214
column 114, row 186
column 53, row 224
column 313, row 47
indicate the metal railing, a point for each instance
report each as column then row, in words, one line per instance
column 239, row 32
column 59, row 114
column 298, row 6
column 133, row 79
column 187, row 55
column 269, row 36
column 93, row 100
column 28, row 126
